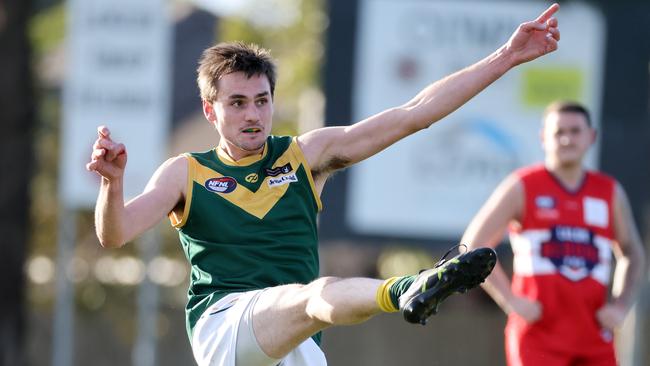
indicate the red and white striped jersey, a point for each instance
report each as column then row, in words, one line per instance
column 562, row 254
column 564, row 232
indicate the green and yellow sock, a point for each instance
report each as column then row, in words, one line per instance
column 390, row 290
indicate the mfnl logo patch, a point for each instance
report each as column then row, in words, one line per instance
column 221, row 185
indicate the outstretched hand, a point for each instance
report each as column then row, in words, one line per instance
column 108, row 158
column 535, row 38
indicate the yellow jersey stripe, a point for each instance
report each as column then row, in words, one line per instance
column 248, row 160
column 176, row 220
column 303, row 161
column 257, row 203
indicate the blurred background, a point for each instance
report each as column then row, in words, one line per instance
column 68, row 66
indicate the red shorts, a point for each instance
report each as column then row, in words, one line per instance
column 523, row 350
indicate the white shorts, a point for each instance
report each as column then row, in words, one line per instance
column 224, row 336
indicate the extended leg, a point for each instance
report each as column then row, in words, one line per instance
column 285, row 316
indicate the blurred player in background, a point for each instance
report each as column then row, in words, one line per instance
column 565, row 221
column 246, row 210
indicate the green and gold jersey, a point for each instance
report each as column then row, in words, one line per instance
column 248, row 224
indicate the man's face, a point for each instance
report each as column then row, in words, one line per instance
column 242, row 113
column 566, row 137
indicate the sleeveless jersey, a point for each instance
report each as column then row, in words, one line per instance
column 248, row 224
column 562, row 258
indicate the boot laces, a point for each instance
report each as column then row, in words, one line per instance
column 443, row 259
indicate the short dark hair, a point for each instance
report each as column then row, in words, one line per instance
column 568, row 106
column 226, row 58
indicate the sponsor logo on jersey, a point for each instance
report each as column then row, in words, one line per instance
column 251, row 178
column 546, row 208
column 596, row 211
column 221, row 185
column 547, row 202
column 282, row 180
column 274, row 172
column 572, row 251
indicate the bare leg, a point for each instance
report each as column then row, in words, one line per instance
column 285, row 316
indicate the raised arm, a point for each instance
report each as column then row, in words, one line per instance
column 117, row 223
column 630, row 264
column 332, row 148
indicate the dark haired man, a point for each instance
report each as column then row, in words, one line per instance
column 246, row 210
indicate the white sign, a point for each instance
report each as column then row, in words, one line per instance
column 118, row 75
column 431, row 184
